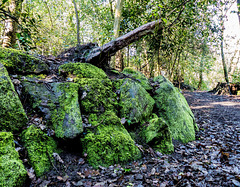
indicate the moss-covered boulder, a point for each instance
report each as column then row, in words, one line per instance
column 173, row 107
column 158, row 135
column 138, row 77
column 136, row 104
column 82, row 70
column 97, row 95
column 59, row 104
column 40, row 148
column 18, row 62
column 12, row 171
column 12, row 114
column 109, row 143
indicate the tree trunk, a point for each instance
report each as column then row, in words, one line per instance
column 77, row 20
column 9, row 36
column 100, row 55
column 118, row 60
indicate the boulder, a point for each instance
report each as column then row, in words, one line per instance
column 138, row 77
column 136, row 104
column 158, row 135
column 174, row 109
column 77, row 71
column 40, row 148
column 96, row 95
column 12, row 114
column 59, row 104
column 109, row 142
column 18, row 62
column 12, row 171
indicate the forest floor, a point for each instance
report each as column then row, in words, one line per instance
column 212, row 160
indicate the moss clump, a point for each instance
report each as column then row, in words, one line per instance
column 18, row 62
column 173, row 107
column 82, row 70
column 109, row 143
column 135, row 102
column 40, row 148
column 158, row 135
column 59, row 104
column 66, row 119
column 12, row 114
column 139, row 77
column 97, row 95
column 12, row 171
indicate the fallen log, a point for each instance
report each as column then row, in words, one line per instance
column 100, row 56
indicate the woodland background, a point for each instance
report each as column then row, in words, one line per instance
column 199, row 43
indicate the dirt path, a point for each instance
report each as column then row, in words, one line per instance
column 212, row 160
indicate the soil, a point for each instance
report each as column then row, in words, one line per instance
column 212, row 160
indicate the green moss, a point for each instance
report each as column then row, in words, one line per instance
column 12, row 114
column 59, row 104
column 173, row 107
column 12, row 171
column 158, row 135
column 82, row 70
column 135, row 102
column 109, row 143
column 97, row 95
column 18, row 62
column 40, row 148
column 66, row 119
column 139, row 77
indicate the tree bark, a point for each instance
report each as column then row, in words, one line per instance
column 100, row 56
column 9, row 36
column 77, row 20
column 118, row 59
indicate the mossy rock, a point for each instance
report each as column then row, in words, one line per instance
column 12, row 114
column 173, row 107
column 97, row 95
column 109, row 143
column 158, row 135
column 59, row 104
column 18, row 62
column 136, row 104
column 40, row 148
column 12, row 171
column 138, row 77
column 82, row 70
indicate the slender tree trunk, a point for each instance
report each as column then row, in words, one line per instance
column 9, row 36
column 77, row 20
column 118, row 60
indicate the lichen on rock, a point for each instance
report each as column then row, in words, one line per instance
column 40, row 148
column 82, row 70
column 96, row 95
column 173, row 107
column 109, row 143
column 12, row 171
column 138, row 77
column 59, row 104
column 18, row 62
column 158, row 135
column 136, row 104
column 12, row 114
